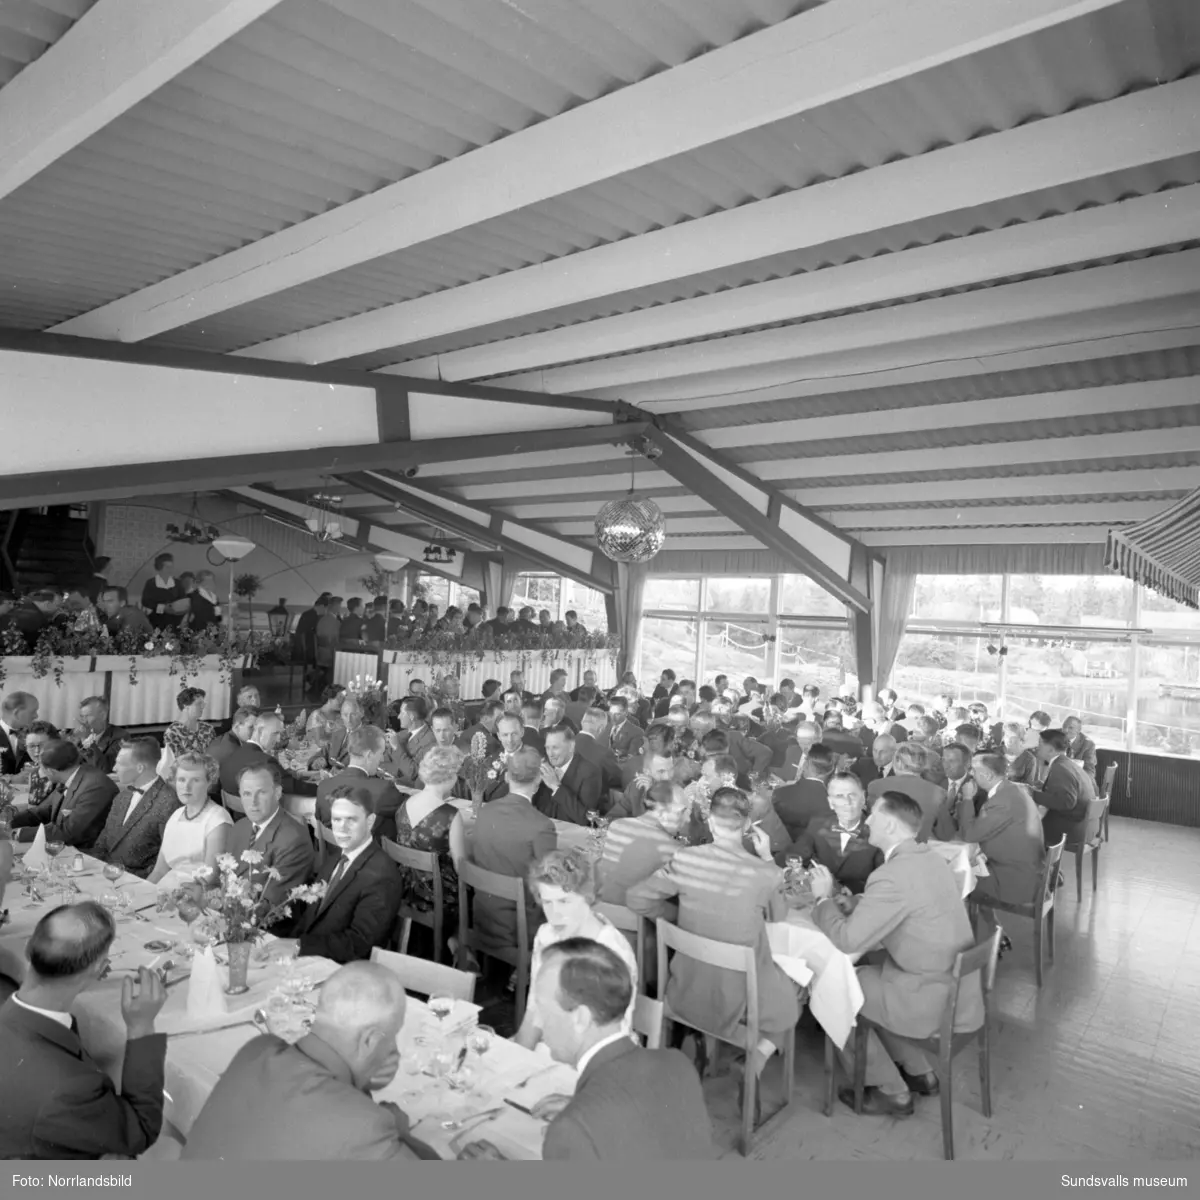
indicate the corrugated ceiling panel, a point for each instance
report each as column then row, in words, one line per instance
column 314, row 104
column 1133, row 45
column 28, row 28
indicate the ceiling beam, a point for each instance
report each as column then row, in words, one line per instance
column 187, row 475
column 1175, row 480
column 822, row 555
column 820, row 56
column 1128, row 132
column 1056, row 535
column 582, row 563
column 1162, row 277
column 999, row 515
column 1128, row 226
column 1075, row 337
column 115, row 55
column 964, row 414
column 374, row 539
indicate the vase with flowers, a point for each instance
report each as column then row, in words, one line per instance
column 236, row 913
column 477, row 770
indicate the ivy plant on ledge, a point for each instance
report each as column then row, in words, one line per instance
column 438, row 648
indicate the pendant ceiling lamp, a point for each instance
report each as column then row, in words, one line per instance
column 633, row 528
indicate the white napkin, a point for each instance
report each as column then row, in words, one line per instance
column 36, row 857
column 794, row 968
column 206, row 988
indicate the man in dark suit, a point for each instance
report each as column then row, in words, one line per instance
column 282, row 841
column 906, row 779
column 1009, row 833
column 840, row 841
column 119, row 616
column 98, row 741
column 363, row 887
column 18, row 712
column 257, row 749
column 912, row 906
column 589, row 681
column 1065, row 791
column 571, row 786
column 485, row 723
column 132, row 835
column 240, row 731
column 630, row 1105
column 56, row 1102
column 368, row 745
column 807, row 799
column 75, row 811
column 1081, row 749
column 589, row 746
column 625, row 736
column 277, row 1102
column 415, row 739
column 838, row 740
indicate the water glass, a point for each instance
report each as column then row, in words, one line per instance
column 479, row 1040
column 441, row 1007
column 280, row 1015
column 111, row 901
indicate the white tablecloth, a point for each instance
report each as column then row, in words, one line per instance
column 834, row 992
column 965, row 861
column 196, row 1060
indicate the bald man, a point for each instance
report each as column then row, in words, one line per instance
column 312, row 1101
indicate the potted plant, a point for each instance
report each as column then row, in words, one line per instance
column 246, row 587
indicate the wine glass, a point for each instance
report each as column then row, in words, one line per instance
column 124, row 900
column 441, row 1007
column 111, row 901
column 279, row 1012
column 54, row 847
column 479, row 1040
column 111, row 871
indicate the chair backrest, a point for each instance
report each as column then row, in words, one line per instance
column 233, row 803
column 424, row 861
column 980, row 959
column 1089, row 827
column 648, row 1021
column 426, row 977
column 714, row 954
column 504, row 887
column 1110, row 774
column 626, row 920
column 1045, row 897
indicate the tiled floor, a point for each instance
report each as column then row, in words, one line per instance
column 1102, row 1062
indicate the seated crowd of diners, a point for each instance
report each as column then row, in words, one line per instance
column 701, row 796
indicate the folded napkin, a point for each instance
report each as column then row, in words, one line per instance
column 206, row 988
column 794, row 968
column 36, row 857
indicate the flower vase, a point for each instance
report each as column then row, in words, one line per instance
column 476, row 803
column 239, row 967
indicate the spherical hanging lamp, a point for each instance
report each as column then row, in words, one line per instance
column 631, row 529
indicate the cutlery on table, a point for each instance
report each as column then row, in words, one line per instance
column 526, row 1082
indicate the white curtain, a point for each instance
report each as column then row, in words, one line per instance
column 895, row 605
column 631, row 592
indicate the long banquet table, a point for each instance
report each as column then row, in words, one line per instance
column 197, row 1054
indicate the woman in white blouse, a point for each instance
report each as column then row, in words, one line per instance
column 564, row 882
column 195, row 834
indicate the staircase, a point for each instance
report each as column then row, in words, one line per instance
column 50, row 548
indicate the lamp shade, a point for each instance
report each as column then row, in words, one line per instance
column 390, row 562
column 631, row 529
column 232, row 546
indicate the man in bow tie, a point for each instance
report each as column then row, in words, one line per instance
column 132, row 834
column 98, row 741
column 839, row 841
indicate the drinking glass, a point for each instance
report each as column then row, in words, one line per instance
column 54, row 847
column 441, row 1007
column 479, row 1040
column 112, row 872
column 124, row 899
column 279, row 1013
column 111, row 901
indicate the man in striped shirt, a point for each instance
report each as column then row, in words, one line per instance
column 636, row 847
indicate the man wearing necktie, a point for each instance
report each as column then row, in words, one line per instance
column 960, row 789
column 363, row 886
column 839, row 841
column 282, row 841
column 132, row 834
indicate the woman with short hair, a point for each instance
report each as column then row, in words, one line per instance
column 564, row 883
column 196, row 833
column 189, row 735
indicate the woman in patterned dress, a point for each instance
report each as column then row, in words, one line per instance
column 423, row 823
column 190, row 735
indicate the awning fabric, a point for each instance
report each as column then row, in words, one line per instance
column 1162, row 552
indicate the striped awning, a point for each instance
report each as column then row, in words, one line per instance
column 1163, row 552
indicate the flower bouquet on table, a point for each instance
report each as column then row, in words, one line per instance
column 372, row 698
column 234, row 911
column 477, row 771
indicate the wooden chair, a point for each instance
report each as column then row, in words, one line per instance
column 1040, row 908
column 322, row 839
column 502, row 887
column 233, row 803
column 648, row 1021
column 424, row 862
column 627, row 921
column 946, row 1043
column 1110, row 775
column 425, row 977
column 746, row 1037
column 1089, row 841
